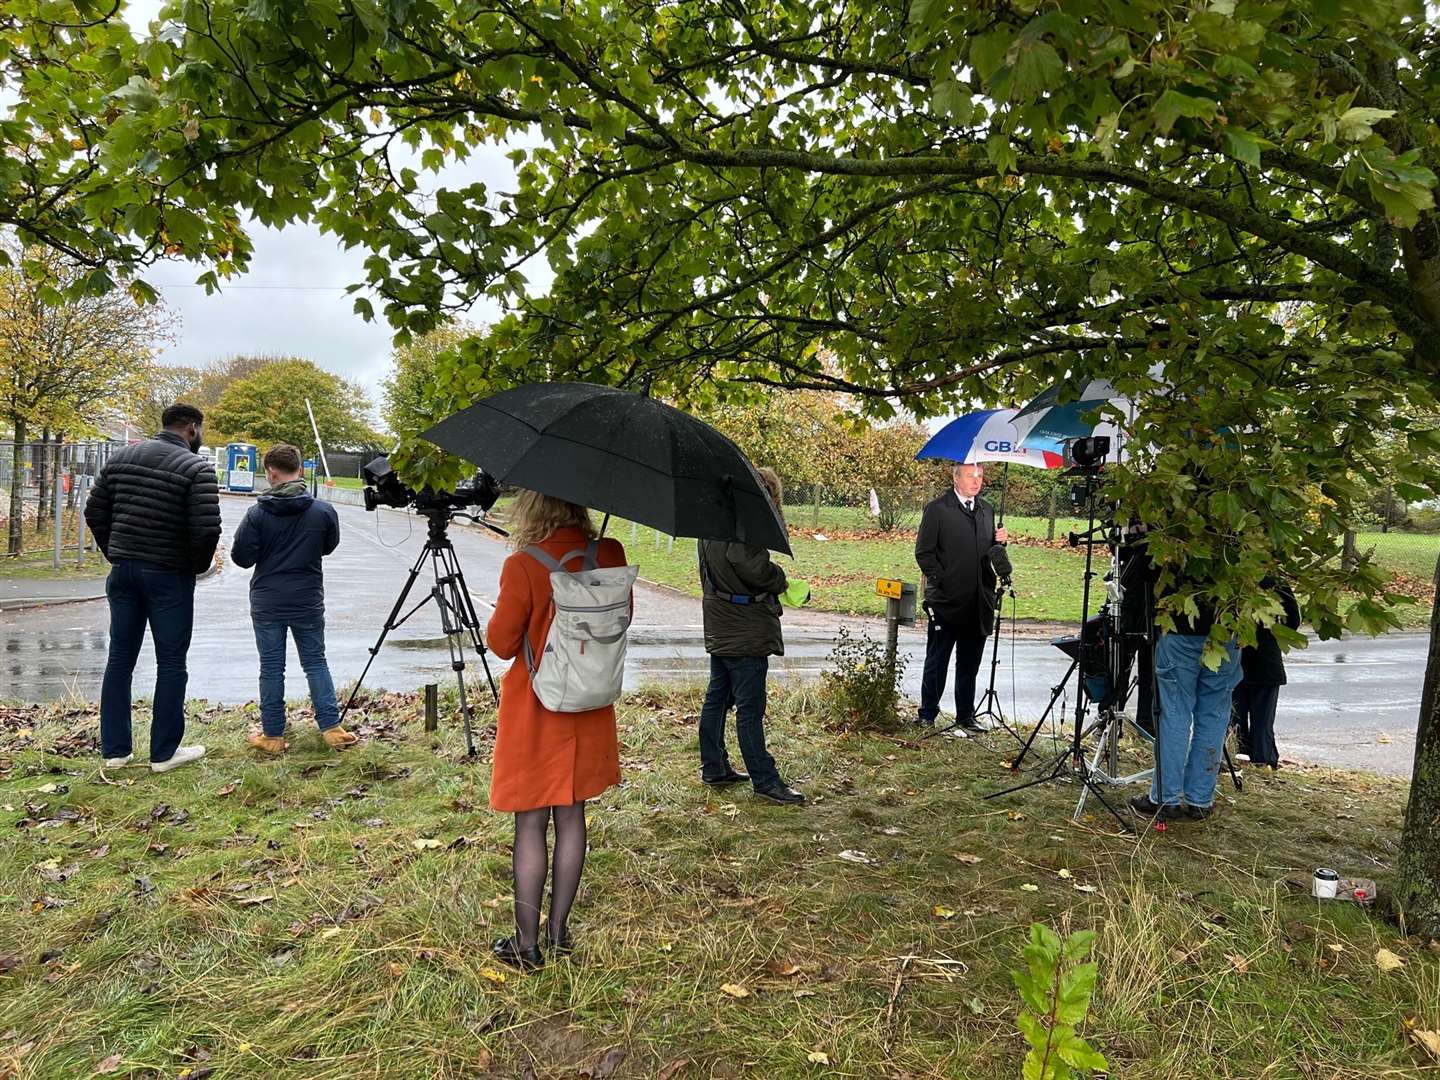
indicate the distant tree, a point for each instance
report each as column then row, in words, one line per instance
column 167, row 384
column 67, row 361
column 407, row 396
column 268, row 406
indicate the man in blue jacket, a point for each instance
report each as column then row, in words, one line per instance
column 284, row 537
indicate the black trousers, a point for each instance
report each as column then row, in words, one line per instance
column 1252, row 711
column 964, row 638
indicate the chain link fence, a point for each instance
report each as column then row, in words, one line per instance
column 43, row 486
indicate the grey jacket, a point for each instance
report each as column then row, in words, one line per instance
column 741, row 605
column 952, row 550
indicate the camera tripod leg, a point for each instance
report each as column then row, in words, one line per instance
column 457, row 655
column 989, row 708
column 468, row 616
column 1055, row 692
column 391, row 622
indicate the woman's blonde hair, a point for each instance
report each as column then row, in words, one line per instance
column 534, row 517
column 771, row 479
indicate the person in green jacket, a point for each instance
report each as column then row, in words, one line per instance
column 741, row 588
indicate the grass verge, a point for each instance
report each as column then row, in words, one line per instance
column 39, row 566
column 329, row 915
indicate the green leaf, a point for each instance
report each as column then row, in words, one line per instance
column 1037, row 69
column 1243, row 146
column 1355, row 124
column 953, row 100
column 987, row 52
column 137, row 95
column 1404, row 201
column 1172, row 105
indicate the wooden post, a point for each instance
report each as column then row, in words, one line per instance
column 432, row 707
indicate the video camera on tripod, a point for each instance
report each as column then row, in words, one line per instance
column 383, row 487
column 448, row 591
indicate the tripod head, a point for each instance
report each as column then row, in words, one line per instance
column 438, row 518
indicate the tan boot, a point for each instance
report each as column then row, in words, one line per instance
column 269, row 744
column 337, row 738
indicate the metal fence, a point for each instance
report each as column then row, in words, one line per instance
column 43, row 486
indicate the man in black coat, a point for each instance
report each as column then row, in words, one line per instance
column 952, row 550
column 1263, row 673
column 155, row 513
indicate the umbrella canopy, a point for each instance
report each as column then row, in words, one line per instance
column 1048, row 420
column 989, row 435
column 619, row 453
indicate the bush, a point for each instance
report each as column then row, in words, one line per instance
column 861, row 689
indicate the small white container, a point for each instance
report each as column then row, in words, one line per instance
column 1327, row 883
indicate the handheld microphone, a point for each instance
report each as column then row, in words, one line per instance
column 1000, row 560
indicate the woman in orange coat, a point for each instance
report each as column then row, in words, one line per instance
column 546, row 763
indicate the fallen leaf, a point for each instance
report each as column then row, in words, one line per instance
column 493, row 975
column 100, row 852
column 976, row 1006
column 1383, row 739
column 110, row 1064
column 856, row 857
column 1336, row 947
column 605, row 1066
column 396, row 968
column 1084, row 888
column 735, row 990
column 943, row 912
column 966, row 857
column 818, row 1057
column 667, row 946
column 48, row 789
column 1429, row 1041
column 228, row 789
column 1238, row 962
column 1066, row 874
column 331, row 931
column 1386, row 960
column 423, row 843
column 12, row 960
column 1027, row 887
column 243, row 1048
column 669, row 1072
column 1016, row 815
column 250, row 901
column 782, row 970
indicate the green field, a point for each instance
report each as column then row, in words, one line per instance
column 327, row 917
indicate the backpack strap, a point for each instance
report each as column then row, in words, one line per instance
column 590, row 554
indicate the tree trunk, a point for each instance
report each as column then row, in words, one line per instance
column 1347, row 550
column 1417, row 884
column 17, row 487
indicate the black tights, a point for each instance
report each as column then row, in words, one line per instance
column 530, row 868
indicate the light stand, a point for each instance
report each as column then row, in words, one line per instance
column 457, row 610
column 1077, row 765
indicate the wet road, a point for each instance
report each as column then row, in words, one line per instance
column 1352, row 703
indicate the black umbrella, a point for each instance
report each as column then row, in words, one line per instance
column 617, row 452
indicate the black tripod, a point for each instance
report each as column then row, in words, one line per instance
column 1076, row 766
column 989, row 706
column 457, row 610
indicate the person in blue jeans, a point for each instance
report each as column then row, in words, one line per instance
column 741, row 610
column 285, row 536
column 1194, row 718
column 155, row 514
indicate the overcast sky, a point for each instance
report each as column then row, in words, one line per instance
column 293, row 301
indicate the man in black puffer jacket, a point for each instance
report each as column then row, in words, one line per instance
column 155, row 512
column 284, row 536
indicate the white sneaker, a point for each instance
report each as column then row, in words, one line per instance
column 183, row 756
column 116, row 762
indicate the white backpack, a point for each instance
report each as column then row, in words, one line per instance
column 582, row 664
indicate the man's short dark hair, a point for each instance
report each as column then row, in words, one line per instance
column 283, row 457
column 179, row 414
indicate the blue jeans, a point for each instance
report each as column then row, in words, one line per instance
column 739, row 680
column 1194, row 716
column 142, row 593
column 309, row 636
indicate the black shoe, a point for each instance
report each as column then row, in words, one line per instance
column 561, row 946
column 1143, row 806
column 1199, row 813
column 780, row 792
column 508, row 952
column 925, row 721
column 730, row 777
column 970, row 724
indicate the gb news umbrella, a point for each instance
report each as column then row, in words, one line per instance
column 619, row 453
column 989, row 435
column 1051, row 419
